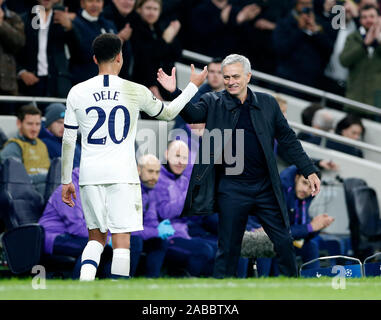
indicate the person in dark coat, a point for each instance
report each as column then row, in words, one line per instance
column 124, row 16
column 303, row 46
column 42, row 64
column 87, row 25
column 236, row 178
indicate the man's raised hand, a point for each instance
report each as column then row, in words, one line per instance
column 198, row 78
column 168, row 82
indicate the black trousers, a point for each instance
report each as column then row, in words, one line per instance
column 237, row 199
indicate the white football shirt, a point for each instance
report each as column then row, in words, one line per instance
column 106, row 109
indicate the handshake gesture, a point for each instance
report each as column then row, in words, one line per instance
column 169, row 82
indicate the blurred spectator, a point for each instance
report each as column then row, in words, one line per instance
column 307, row 116
column 261, row 51
column 52, row 132
column 219, row 27
column 12, row 39
column 122, row 13
column 302, row 45
column 42, row 63
column 21, row 6
column 66, row 232
column 350, row 127
column 153, row 48
column 323, row 120
column 308, row 113
column 362, row 56
column 282, row 104
column 27, row 147
column 193, row 254
column 156, row 232
column 87, row 25
column 335, row 74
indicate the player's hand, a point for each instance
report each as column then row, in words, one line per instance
column 198, row 78
column 315, row 183
column 167, row 82
column 68, row 190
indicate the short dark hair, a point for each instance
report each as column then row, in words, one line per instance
column 369, row 7
column 106, row 47
column 27, row 109
column 308, row 113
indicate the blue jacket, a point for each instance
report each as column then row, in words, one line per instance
column 54, row 145
column 297, row 209
column 82, row 65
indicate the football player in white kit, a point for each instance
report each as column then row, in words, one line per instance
column 106, row 108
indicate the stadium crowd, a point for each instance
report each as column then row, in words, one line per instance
column 45, row 52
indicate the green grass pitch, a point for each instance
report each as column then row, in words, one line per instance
column 192, row 289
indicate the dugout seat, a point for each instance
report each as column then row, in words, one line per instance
column 21, row 207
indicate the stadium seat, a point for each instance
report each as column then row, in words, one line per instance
column 352, row 267
column 364, row 222
column 21, row 206
column 53, row 179
column 372, row 265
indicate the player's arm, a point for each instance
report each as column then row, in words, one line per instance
column 168, row 112
column 68, row 148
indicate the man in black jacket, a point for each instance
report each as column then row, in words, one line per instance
column 252, row 185
column 42, row 63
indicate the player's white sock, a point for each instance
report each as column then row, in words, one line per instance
column 120, row 266
column 90, row 260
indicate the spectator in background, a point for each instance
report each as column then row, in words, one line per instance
column 303, row 46
column 307, row 116
column 193, row 254
column 219, row 27
column 12, row 39
column 153, row 48
column 260, row 48
column 124, row 16
column 87, row 25
column 362, row 56
column 350, row 127
column 28, row 148
column 322, row 120
column 42, row 63
column 52, row 132
column 335, row 74
column 155, row 234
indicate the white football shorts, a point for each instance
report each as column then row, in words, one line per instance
column 115, row 207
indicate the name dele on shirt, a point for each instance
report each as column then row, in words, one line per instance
column 106, row 95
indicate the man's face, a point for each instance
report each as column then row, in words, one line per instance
column 235, row 79
column 368, row 18
column 47, row 4
column 150, row 12
column 57, row 128
column 149, row 173
column 177, row 157
column 93, row 7
column 215, row 79
column 302, row 187
column 125, row 7
column 352, row 132
column 30, row 126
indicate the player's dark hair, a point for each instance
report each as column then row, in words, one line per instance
column 106, row 47
column 27, row 109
